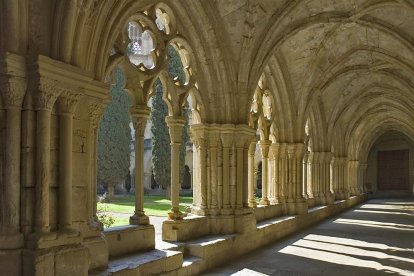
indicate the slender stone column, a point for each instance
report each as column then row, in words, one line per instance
column 325, row 163
column 140, row 117
column 252, row 149
column 271, row 174
column 175, row 125
column 305, row 174
column 200, row 169
column 67, row 102
column 296, row 203
column 13, row 90
column 213, row 139
column 362, row 168
column 283, row 173
column 353, row 177
column 96, row 111
column 227, row 141
column 44, row 100
column 338, row 169
column 264, row 148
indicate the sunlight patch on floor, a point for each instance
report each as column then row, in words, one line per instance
column 383, row 212
column 354, row 242
column 387, row 206
column 248, row 272
column 370, row 223
column 338, row 258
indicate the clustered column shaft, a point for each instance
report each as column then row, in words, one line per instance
column 46, row 96
column 67, row 102
column 175, row 125
column 13, row 90
column 339, row 177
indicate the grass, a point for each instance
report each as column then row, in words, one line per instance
column 153, row 206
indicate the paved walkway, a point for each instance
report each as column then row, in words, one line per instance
column 376, row 238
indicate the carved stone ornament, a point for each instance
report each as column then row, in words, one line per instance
column 46, row 94
column 140, row 124
column 68, row 100
column 96, row 111
column 13, row 90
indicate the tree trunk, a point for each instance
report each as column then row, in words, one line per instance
column 168, row 192
column 110, row 195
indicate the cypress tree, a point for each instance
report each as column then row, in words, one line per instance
column 114, row 137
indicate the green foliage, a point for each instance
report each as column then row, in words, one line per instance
column 175, row 66
column 183, row 148
column 103, row 217
column 161, row 151
column 114, row 138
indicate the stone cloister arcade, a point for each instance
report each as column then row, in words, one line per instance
column 320, row 86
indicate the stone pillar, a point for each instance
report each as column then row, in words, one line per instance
column 353, row 177
column 271, row 174
column 296, row 203
column 305, row 175
column 212, row 185
column 319, row 163
column 175, row 125
column 45, row 98
column 227, row 141
column 338, row 177
column 140, row 117
column 325, row 183
column 264, row 148
column 362, row 168
column 13, row 90
column 198, row 134
column 67, row 102
column 96, row 111
column 251, row 184
column 282, row 177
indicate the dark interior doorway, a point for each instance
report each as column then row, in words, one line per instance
column 393, row 170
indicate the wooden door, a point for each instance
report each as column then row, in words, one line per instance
column 393, row 170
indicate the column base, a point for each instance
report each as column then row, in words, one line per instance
column 341, row 194
column 13, row 241
column 327, row 199
column 264, row 201
column 175, row 215
column 297, row 208
column 252, row 203
column 139, row 219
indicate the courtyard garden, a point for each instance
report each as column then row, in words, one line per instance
column 122, row 207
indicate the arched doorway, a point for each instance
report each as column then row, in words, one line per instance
column 390, row 165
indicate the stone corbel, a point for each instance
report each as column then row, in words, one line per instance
column 68, row 100
column 13, row 91
column 96, row 111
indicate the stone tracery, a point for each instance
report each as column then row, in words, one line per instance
column 342, row 70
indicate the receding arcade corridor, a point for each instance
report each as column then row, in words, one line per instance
column 375, row 238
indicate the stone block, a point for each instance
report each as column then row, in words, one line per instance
column 98, row 252
column 127, row 239
column 10, row 262
column 72, row 261
column 186, row 229
column 79, row 211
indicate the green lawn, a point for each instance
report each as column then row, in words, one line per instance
column 153, row 206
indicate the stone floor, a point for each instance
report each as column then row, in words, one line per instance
column 375, row 238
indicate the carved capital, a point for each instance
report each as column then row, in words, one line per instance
column 175, row 124
column 68, row 100
column 46, row 94
column 96, row 111
column 213, row 137
column 140, row 123
column 264, row 148
column 13, row 90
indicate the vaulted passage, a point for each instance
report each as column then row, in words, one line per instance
column 320, row 93
column 357, row 242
